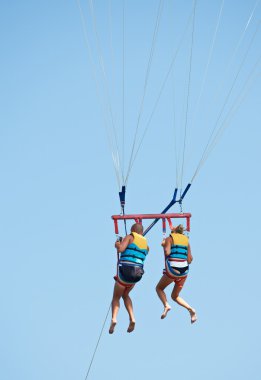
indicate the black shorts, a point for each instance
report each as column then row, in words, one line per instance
column 181, row 270
column 130, row 273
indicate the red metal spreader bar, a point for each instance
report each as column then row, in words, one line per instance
column 139, row 217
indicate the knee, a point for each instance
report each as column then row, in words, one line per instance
column 158, row 289
column 174, row 297
column 125, row 297
column 115, row 300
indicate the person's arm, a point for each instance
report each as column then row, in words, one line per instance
column 122, row 245
column 167, row 246
column 190, row 257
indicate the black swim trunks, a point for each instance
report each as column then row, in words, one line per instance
column 130, row 273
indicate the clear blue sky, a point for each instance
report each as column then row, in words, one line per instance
column 58, row 190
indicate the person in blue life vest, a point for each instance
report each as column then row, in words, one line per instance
column 132, row 252
column 178, row 256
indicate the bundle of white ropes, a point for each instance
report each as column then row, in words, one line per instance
column 224, row 116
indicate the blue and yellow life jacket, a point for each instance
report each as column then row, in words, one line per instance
column 179, row 250
column 178, row 255
column 137, row 251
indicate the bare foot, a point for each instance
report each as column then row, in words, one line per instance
column 131, row 326
column 112, row 326
column 167, row 308
column 193, row 315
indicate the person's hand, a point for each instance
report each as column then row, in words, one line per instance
column 117, row 244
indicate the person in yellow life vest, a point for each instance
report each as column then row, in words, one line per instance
column 132, row 252
column 178, row 256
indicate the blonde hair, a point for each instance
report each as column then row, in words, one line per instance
column 179, row 229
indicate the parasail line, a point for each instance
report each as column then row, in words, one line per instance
column 188, row 93
column 160, row 92
column 160, row 7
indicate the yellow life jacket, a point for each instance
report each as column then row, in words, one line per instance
column 137, row 251
column 179, row 248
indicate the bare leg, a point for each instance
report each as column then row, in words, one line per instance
column 129, row 307
column 115, row 304
column 175, row 296
column 163, row 283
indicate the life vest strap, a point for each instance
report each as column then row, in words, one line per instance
column 133, row 256
column 135, row 249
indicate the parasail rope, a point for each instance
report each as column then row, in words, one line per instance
column 97, row 344
column 188, row 93
column 160, row 7
column 224, row 125
column 226, row 122
column 221, row 84
column 116, row 162
column 97, row 85
column 161, row 90
column 102, row 66
column 175, row 140
column 208, row 61
column 123, row 88
column 215, row 129
column 112, row 52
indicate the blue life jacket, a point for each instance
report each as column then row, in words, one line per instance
column 179, row 250
column 136, row 252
